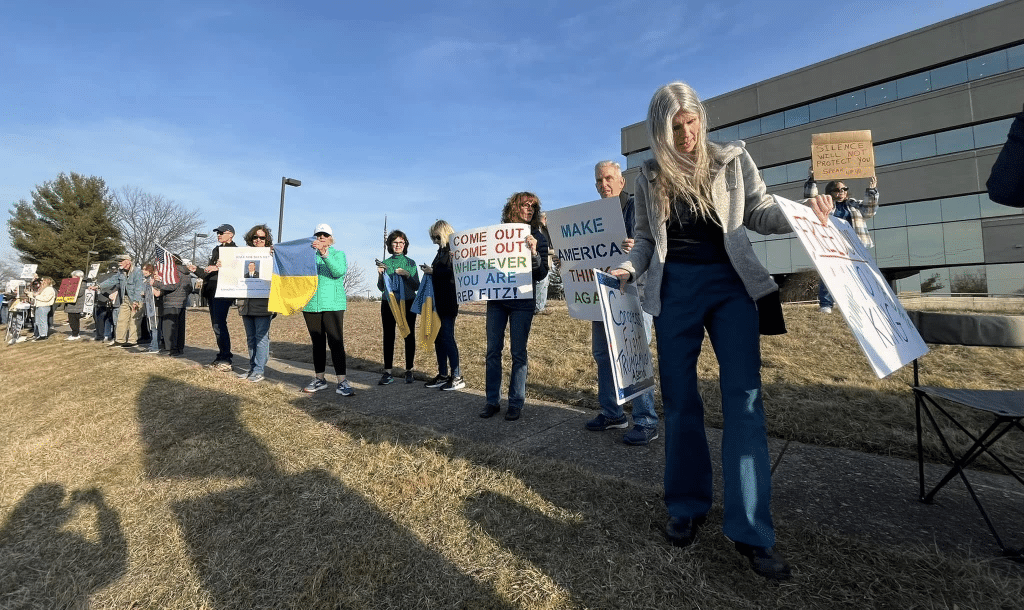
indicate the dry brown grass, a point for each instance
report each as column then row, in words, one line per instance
column 130, row 482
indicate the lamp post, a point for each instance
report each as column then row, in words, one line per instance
column 280, row 218
column 194, row 237
column 88, row 259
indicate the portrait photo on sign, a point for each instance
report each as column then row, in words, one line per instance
column 245, row 273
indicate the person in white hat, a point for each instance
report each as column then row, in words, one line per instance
column 325, row 312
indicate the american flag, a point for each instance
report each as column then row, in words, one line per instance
column 165, row 266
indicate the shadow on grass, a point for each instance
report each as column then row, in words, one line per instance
column 285, row 540
column 45, row 564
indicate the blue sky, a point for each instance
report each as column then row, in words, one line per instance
column 417, row 110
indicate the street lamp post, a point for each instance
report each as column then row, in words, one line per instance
column 88, row 259
column 280, row 218
column 194, row 237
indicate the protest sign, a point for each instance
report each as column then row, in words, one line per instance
column 585, row 237
column 842, row 154
column 68, row 291
column 28, row 271
column 90, row 303
column 244, row 273
column 492, row 263
column 626, row 333
column 94, row 269
column 874, row 314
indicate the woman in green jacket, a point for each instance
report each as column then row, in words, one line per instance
column 402, row 274
column 325, row 312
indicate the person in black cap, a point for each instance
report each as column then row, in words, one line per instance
column 218, row 307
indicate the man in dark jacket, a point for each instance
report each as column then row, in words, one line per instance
column 218, row 307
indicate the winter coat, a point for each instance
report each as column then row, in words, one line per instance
column 330, row 287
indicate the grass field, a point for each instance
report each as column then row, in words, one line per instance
column 141, row 482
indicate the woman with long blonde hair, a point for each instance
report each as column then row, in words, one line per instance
column 694, row 202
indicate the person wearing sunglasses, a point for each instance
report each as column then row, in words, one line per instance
column 854, row 212
column 255, row 315
column 404, row 276
column 218, row 307
column 449, row 373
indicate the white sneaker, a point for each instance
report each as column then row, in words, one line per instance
column 826, row 310
column 73, row 338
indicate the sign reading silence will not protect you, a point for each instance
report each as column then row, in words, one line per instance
column 842, row 155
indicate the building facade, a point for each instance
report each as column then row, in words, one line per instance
column 939, row 102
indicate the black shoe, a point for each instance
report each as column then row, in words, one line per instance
column 408, row 377
column 436, row 382
column 490, row 411
column 513, row 413
column 386, row 379
column 683, row 532
column 766, row 561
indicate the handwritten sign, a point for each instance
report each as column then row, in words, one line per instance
column 236, row 265
column 842, row 154
column 28, row 271
column 89, row 304
column 492, row 263
column 626, row 333
column 585, row 237
column 878, row 321
column 68, row 291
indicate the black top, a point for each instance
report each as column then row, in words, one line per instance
column 692, row 238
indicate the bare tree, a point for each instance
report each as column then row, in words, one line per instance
column 146, row 220
column 355, row 279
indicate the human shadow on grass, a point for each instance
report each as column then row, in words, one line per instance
column 45, row 562
column 286, row 540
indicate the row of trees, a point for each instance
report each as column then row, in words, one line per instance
column 74, row 214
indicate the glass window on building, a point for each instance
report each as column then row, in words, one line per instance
column 637, row 159
column 965, row 207
column 1005, row 279
column 797, row 171
column 822, row 110
column 950, row 75
column 774, row 175
column 991, row 134
column 749, row 129
column 848, row 102
column 778, row 256
column 891, row 247
column 889, row 216
column 801, row 260
column 935, row 281
column 990, row 208
column 986, row 65
column 926, row 247
column 954, row 140
column 728, row 134
column 798, row 116
column 915, row 84
column 773, row 122
column 968, row 280
column 880, row 94
column 918, row 148
column 962, row 242
column 924, row 212
column 1015, row 57
column 886, row 154
column 908, row 284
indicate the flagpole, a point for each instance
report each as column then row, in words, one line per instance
column 385, row 237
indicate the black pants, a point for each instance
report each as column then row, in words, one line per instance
column 172, row 325
column 327, row 328
column 75, row 322
column 388, row 321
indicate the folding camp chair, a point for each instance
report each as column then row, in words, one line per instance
column 1006, row 407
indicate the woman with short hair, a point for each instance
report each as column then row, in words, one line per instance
column 74, row 310
column 402, row 274
column 325, row 312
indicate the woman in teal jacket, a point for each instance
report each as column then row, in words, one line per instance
column 325, row 312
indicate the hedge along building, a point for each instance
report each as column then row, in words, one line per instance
column 938, row 102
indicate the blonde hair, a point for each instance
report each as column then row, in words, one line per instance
column 443, row 229
column 680, row 177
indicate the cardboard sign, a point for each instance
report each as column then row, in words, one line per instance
column 68, row 291
column 878, row 321
column 842, row 154
column 28, row 271
column 585, row 237
column 245, row 273
column 492, row 263
column 626, row 333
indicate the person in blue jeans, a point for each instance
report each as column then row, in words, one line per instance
column 218, row 307
column 694, row 201
column 609, row 182
column 255, row 315
column 514, row 314
column 856, row 213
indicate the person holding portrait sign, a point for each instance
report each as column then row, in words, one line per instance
column 255, row 315
column 694, row 201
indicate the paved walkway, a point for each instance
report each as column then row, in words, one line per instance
column 858, row 494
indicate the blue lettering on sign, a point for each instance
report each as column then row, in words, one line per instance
column 575, row 229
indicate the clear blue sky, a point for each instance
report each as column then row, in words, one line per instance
column 417, row 110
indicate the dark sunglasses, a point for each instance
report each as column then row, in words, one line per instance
column 321, row 235
column 262, row 237
column 843, row 189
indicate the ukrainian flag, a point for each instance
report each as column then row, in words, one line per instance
column 430, row 322
column 392, row 284
column 295, row 278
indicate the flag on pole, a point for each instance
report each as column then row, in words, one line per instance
column 295, row 277
column 165, row 266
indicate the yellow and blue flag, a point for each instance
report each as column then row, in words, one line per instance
column 295, row 278
column 397, row 305
column 430, row 322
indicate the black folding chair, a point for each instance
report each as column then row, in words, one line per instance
column 1006, row 407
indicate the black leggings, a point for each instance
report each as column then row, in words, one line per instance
column 75, row 321
column 388, row 321
column 327, row 328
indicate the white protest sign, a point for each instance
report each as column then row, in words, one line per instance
column 28, row 271
column 874, row 314
column 492, row 263
column 626, row 333
column 245, row 273
column 90, row 303
column 94, row 269
column 585, row 237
